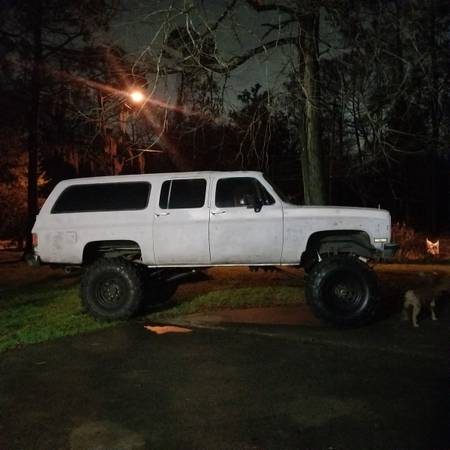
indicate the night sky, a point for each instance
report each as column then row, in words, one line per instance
column 140, row 23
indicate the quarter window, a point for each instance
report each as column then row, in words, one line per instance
column 179, row 194
column 232, row 192
column 103, row 197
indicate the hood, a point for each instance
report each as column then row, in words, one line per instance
column 337, row 211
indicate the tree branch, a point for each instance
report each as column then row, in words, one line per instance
column 258, row 6
column 223, row 16
column 59, row 47
column 237, row 61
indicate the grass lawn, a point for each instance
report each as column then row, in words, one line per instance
column 233, row 298
column 38, row 305
column 44, row 312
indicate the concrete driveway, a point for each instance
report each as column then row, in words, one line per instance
column 250, row 386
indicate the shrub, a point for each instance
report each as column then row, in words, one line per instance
column 412, row 244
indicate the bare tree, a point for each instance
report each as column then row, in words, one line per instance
column 392, row 80
column 39, row 32
column 189, row 46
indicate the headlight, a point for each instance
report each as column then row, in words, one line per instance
column 380, row 240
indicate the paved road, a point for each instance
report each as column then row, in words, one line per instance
column 236, row 387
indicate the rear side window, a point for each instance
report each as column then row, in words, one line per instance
column 103, row 197
column 178, row 194
column 231, row 192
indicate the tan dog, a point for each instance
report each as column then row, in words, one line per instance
column 424, row 296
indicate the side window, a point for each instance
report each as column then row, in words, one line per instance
column 263, row 195
column 178, row 194
column 232, row 192
column 103, row 197
column 164, row 196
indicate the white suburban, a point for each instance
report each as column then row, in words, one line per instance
column 129, row 229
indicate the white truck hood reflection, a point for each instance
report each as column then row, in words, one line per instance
column 335, row 211
column 302, row 221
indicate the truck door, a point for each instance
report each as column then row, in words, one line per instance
column 180, row 226
column 246, row 225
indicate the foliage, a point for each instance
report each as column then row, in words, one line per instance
column 412, row 245
column 12, row 190
column 40, row 41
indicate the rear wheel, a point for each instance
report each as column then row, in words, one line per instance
column 343, row 291
column 112, row 289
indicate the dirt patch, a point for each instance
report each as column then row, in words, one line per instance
column 103, row 435
column 16, row 273
column 396, row 279
column 276, row 315
column 218, row 278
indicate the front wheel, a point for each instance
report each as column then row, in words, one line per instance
column 112, row 289
column 343, row 291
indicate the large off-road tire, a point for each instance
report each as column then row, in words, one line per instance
column 343, row 291
column 112, row 289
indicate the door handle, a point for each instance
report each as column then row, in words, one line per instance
column 157, row 214
column 216, row 213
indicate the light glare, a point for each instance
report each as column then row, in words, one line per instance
column 137, row 97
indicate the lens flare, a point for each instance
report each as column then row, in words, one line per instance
column 137, row 97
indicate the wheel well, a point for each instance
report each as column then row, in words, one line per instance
column 333, row 242
column 111, row 249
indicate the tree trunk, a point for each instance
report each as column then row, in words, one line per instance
column 435, row 132
column 312, row 161
column 33, row 126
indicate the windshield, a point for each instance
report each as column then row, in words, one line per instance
column 280, row 193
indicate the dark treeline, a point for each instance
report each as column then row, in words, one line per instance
column 360, row 114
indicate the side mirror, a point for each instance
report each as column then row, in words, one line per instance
column 258, row 205
column 253, row 203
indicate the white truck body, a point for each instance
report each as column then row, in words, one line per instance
column 277, row 233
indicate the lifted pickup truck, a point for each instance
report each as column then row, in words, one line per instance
column 133, row 232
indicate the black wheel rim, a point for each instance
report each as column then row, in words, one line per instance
column 109, row 292
column 345, row 292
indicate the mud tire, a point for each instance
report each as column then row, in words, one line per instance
column 112, row 289
column 343, row 291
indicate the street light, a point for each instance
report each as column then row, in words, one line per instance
column 137, row 96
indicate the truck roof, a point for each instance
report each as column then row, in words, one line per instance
column 154, row 176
